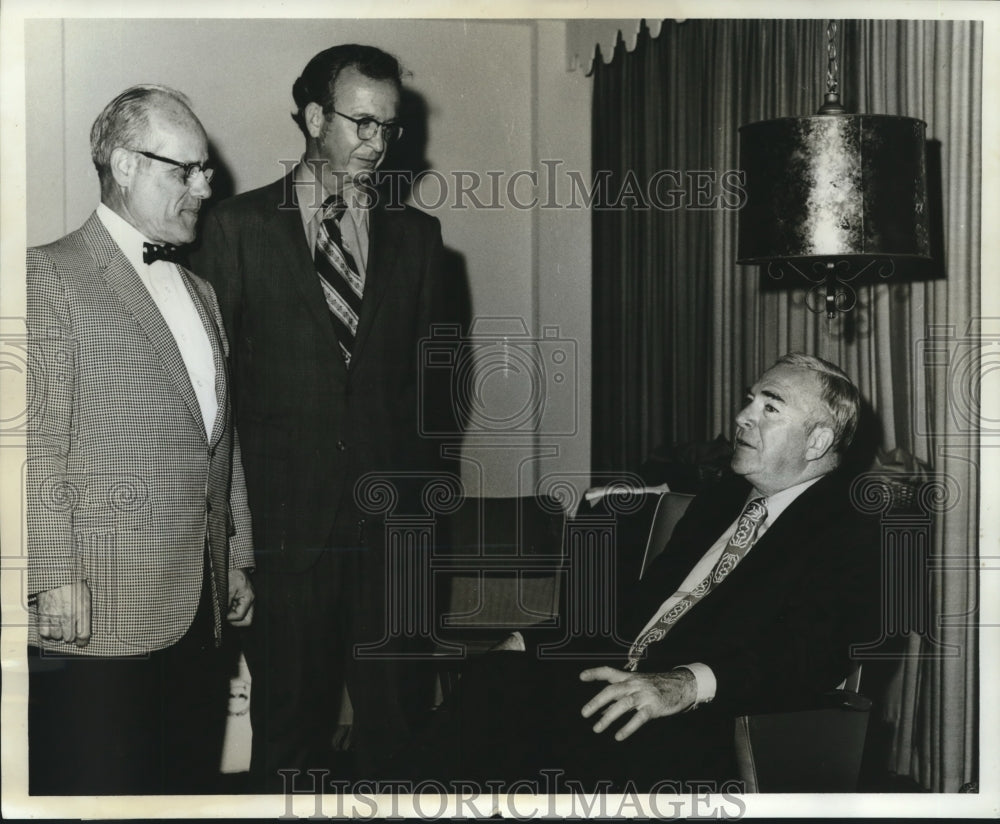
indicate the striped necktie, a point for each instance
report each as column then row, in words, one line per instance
column 339, row 276
column 753, row 515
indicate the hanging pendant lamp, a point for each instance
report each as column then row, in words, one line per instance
column 835, row 198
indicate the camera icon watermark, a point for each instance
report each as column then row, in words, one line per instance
column 501, row 380
column 970, row 366
column 44, row 362
column 16, row 367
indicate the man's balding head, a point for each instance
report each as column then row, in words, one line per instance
column 126, row 122
column 151, row 153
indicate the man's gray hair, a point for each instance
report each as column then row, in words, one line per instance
column 125, row 122
column 838, row 394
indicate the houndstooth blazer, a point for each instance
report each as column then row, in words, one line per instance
column 124, row 488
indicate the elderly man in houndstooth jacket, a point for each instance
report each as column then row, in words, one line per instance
column 138, row 528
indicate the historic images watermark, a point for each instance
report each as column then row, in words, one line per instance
column 549, row 187
column 314, row 795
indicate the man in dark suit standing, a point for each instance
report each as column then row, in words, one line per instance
column 326, row 295
column 766, row 582
column 138, row 527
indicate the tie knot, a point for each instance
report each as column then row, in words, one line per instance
column 152, row 252
column 748, row 524
column 756, row 511
column 334, row 207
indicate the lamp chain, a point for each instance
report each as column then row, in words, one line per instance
column 832, row 80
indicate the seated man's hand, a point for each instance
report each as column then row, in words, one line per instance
column 64, row 614
column 651, row 695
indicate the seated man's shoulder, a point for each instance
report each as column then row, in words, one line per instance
column 838, row 520
column 843, row 495
column 721, row 494
column 830, row 506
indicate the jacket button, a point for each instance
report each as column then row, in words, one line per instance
column 341, row 446
column 208, row 505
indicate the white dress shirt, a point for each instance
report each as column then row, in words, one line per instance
column 170, row 294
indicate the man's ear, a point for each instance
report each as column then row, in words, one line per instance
column 314, row 119
column 123, row 163
column 819, row 442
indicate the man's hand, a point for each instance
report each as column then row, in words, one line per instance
column 64, row 614
column 651, row 695
column 240, row 599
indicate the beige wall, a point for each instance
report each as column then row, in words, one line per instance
column 499, row 98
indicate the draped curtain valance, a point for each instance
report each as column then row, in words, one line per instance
column 584, row 37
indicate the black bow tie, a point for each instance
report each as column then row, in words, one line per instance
column 152, row 252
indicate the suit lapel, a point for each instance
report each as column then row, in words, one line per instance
column 215, row 339
column 123, row 279
column 811, row 508
column 784, row 539
column 285, row 232
column 783, row 544
column 384, row 238
column 690, row 543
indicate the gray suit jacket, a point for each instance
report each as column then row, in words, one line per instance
column 124, row 487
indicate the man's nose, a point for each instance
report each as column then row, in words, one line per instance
column 200, row 187
column 744, row 418
column 377, row 141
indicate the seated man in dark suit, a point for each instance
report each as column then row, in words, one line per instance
column 766, row 582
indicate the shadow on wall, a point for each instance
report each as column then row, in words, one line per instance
column 409, row 156
column 405, row 162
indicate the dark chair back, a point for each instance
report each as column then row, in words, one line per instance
column 501, row 558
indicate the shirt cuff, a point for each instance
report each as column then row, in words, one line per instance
column 704, row 680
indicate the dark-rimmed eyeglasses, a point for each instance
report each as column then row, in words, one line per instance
column 368, row 126
column 191, row 170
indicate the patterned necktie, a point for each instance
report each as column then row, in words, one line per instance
column 339, row 276
column 747, row 527
column 152, row 252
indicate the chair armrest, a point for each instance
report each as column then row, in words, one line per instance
column 845, row 700
column 817, row 749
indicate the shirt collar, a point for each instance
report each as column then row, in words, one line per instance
column 125, row 235
column 780, row 501
column 311, row 194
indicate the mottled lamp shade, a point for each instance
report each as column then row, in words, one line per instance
column 835, row 187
